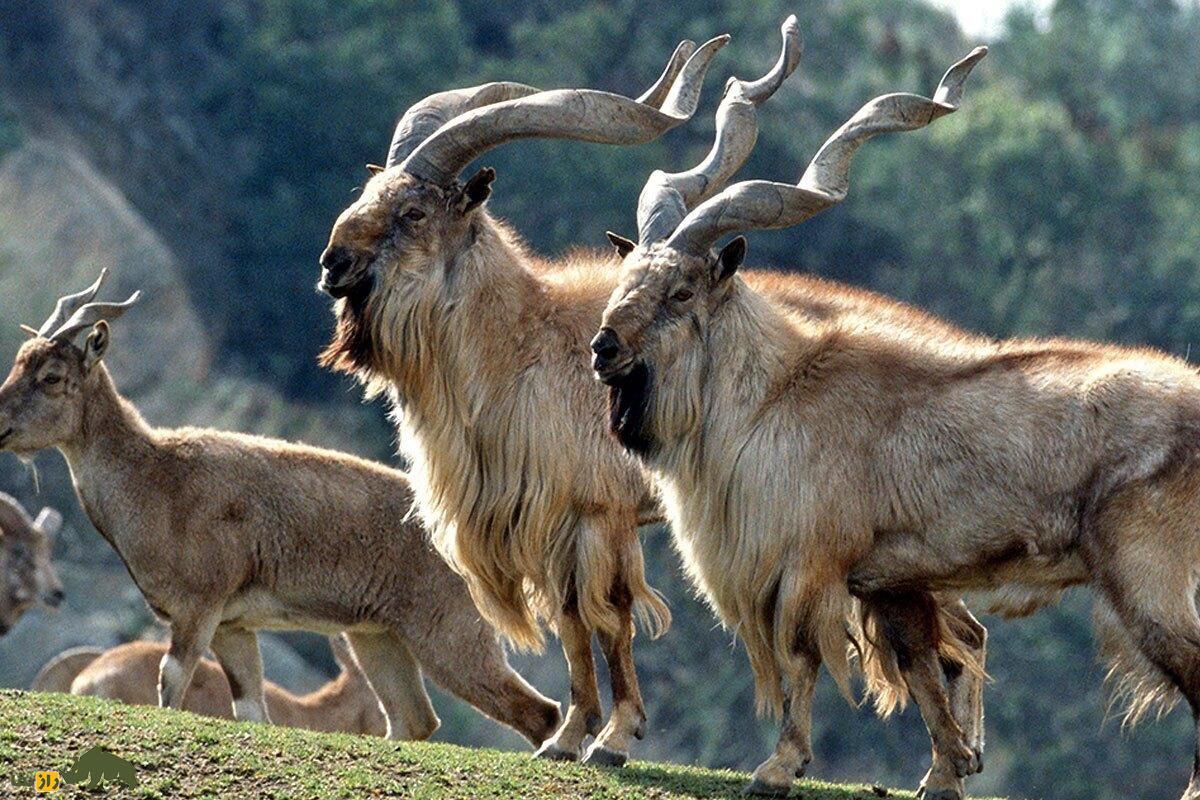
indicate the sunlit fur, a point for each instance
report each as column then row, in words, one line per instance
column 129, row 673
column 733, row 485
column 26, row 569
column 881, row 447
column 226, row 533
column 483, row 351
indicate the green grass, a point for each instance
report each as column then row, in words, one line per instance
column 180, row 755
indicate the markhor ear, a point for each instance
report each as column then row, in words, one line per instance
column 731, row 258
column 624, row 246
column 477, row 189
column 96, row 344
column 374, row 169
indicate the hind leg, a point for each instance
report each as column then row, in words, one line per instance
column 583, row 713
column 965, row 687
column 628, row 720
column 1143, row 553
column 476, row 669
column 793, row 752
column 911, row 627
column 395, row 677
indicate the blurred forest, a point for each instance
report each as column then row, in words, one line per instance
column 203, row 149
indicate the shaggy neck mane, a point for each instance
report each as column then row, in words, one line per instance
column 453, row 344
column 713, row 473
column 706, row 404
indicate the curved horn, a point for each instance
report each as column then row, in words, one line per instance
column 656, row 94
column 666, row 197
column 754, row 205
column 88, row 315
column 423, row 119
column 68, row 305
column 581, row 114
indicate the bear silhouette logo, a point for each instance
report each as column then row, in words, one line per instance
column 97, row 766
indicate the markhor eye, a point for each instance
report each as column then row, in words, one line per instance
column 414, row 215
column 682, row 295
column 52, row 379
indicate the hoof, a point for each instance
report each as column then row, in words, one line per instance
column 757, row 788
column 552, row 752
column 967, row 764
column 978, row 751
column 603, row 757
column 939, row 794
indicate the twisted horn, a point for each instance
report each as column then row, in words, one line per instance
column 89, row 314
column 581, row 114
column 657, row 94
column 666, row 197
column 66, row 306
column 752, row 205
column 423, row 119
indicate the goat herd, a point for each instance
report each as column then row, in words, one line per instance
column 836, row 467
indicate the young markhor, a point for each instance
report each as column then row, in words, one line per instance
column 226, row 533
column 129, row 673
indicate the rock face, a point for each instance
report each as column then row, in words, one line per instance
column 133, row 88
column 60, row 224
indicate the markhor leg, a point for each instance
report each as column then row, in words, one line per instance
column 237, row 651
column 628, row 721
column 965, row 687
column 910, row 624
column 190, row 637
column 583, row 713
column 793, row 753
column 395, row 677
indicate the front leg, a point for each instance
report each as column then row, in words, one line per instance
column 793, row 753
column 237, row 651
column 583, row 713
column 190, row 637
column 628, row 720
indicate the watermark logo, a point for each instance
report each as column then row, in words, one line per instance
column 92, row 769
column 47, row 782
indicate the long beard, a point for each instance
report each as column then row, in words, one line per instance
column 352, row 348
column 629, row 410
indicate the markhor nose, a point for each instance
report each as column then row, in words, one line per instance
column 606, row 345
column 336, row 260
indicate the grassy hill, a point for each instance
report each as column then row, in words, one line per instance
column 186, row 756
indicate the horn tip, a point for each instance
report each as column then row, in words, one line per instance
column 790, row 26
column 977, row 54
